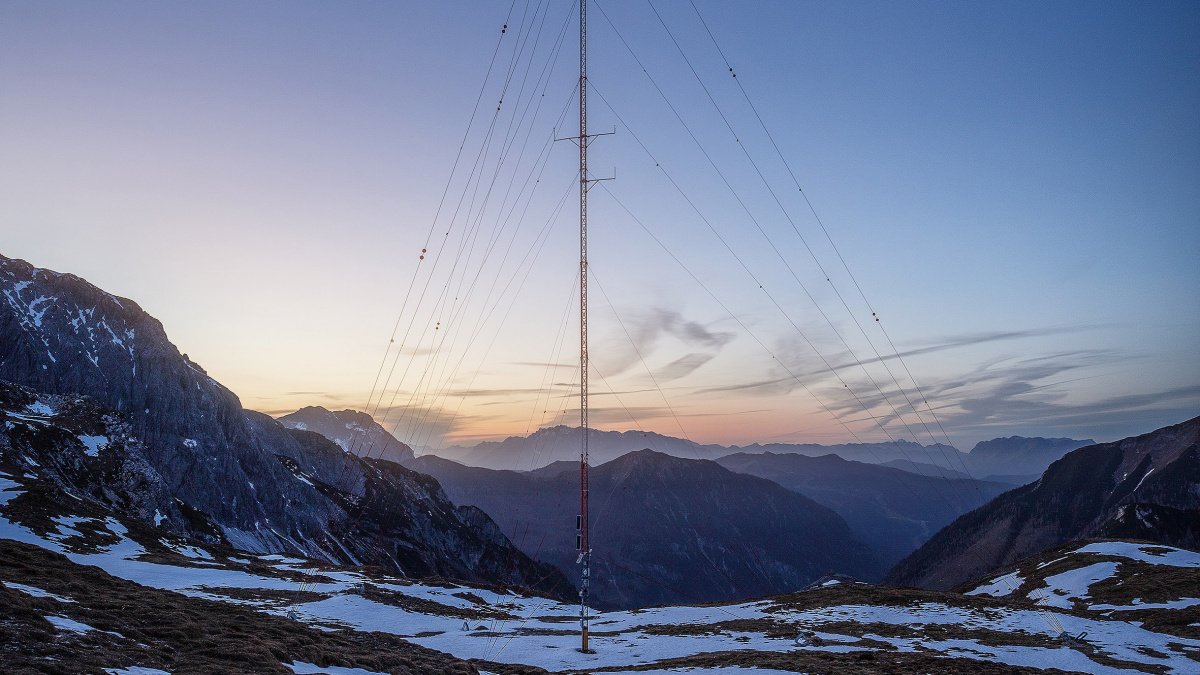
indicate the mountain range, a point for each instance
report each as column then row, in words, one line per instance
column 1014, row 460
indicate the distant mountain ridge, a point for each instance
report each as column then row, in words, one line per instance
column 1019, row 455
column 561, row 443
column 668, row 529
column 352, row 430
column 1009, row 459
column 1146, row 487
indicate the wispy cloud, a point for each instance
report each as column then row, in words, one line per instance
column 683, row 366
column 809, row 369
column 645, row 329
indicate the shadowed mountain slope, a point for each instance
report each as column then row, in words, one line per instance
column 665, row 529
column 890, row 510
column 1146, row 487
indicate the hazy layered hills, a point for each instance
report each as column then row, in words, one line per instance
column 1146, row 487
column 561, row 443
column 1013, row 460
column 891, row 510
column 673, row 529
column 353, row 431
column 162, row 442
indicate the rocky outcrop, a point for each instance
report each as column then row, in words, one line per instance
column 352, row 430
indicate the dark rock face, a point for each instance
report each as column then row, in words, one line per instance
column 352, row 430
column 890, row 510
column 262, row 488
column 665, row 529
column 1146, row 487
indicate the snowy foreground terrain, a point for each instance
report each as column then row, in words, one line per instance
column 834, row 626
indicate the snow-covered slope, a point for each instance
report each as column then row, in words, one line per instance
column 833, row 627
column 1148, row 583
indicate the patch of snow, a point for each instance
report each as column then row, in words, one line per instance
column 34, row 591
column 187, row 550
column 727, row 670
column 302, row 668
column 34, row 315
column 63, row 623
column 135, row 670
column 837, row 637
column 1149, row 553
column 190, row 443
column 1000, row 586
column 1181, row 603
column 158, row 518
column 39, row 408
column 8, row 490
column 92, row 444
column 831, row 582
column 1051, row 562
column 1060, row 589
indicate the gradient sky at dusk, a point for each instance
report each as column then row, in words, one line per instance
column 1015, row 186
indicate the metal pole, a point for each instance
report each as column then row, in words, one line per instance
column 585, row 552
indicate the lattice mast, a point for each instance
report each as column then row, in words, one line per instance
column 585, row 551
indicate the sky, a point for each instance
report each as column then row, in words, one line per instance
column 1013, row 188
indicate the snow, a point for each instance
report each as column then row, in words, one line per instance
column 135, row 670
column 1181, row 603
column 727, row 670
column 8, row 490
column 541, row 630
column 187, row 551
column 39, row 408
column 1150, row 553
column 158, row 517
column 190, row 443
column 34, row 315
column 1060, row 589
column 63, row 623
column 92, row 444
column 34, row 591
column 1000, row 586
column 301, row 667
